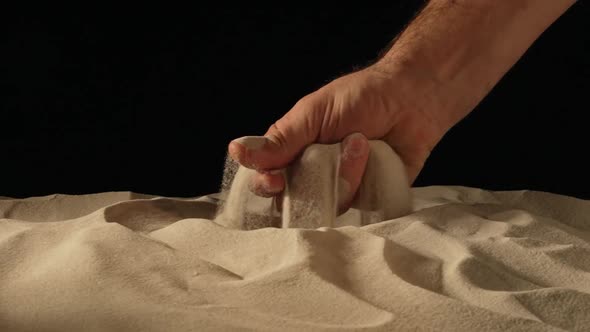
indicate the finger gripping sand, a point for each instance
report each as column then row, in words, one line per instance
column 311, row 197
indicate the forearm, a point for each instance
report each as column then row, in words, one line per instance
column 461, row 48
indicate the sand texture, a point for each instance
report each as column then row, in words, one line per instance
column 313, row 190
column 464, row 260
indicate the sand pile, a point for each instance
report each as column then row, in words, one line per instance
column 464, row 259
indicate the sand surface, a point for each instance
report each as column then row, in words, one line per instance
column 465, row 260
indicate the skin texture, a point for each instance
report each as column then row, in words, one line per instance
column 436, row 71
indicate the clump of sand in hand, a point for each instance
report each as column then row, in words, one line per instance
column 310, row 198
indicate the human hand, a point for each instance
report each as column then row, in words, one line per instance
column 366, row 104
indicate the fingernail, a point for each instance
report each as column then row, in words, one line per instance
column 271, row 190
column 252, row 142
column 343, row 192
column 234, row 152
column 267, row 190
column 354, row 146
column 270, row 171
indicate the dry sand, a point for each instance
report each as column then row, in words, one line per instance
column 464, row 260
column 313, row 190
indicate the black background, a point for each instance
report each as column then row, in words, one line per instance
column 147, row 101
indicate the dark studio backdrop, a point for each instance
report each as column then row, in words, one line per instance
column 147, row 102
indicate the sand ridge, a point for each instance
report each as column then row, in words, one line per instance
column 466, row 259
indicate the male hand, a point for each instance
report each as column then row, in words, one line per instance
column 351, row 109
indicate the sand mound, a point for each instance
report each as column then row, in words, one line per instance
column 464, row 260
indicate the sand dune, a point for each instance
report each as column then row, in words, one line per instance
column 465, row 260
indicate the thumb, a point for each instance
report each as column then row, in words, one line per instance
column 283, row 141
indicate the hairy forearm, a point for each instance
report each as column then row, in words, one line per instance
column 461, row 48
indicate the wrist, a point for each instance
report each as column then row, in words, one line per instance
column 415, row 88
column 455, row 52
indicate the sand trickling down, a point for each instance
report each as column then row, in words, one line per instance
column 312, row 192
